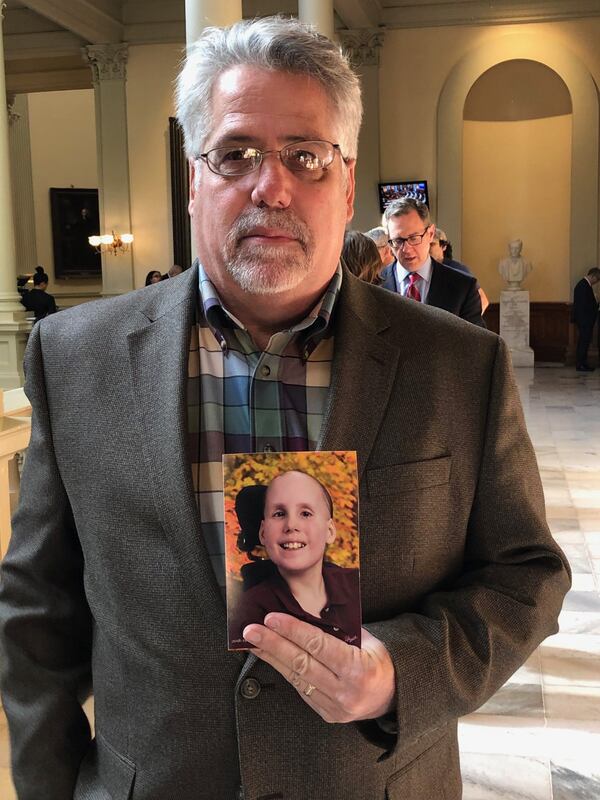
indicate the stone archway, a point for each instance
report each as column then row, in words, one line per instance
column 584, row 153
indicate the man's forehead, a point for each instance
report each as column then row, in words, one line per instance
column 248, row 100
column 406, row 221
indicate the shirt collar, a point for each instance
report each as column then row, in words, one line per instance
column 311, row 329
column 424, row 271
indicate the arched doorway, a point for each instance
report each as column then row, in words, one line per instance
column 517, row 134
column 583, row 244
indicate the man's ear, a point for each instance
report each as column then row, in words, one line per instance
column 260, row 532
column 350, row 188
column 331, row 532
column 192, row 178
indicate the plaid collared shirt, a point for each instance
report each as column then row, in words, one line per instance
column 242, row 400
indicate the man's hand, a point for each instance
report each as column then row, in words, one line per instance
column 340, row 682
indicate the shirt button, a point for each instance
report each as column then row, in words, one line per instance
column 250, row 688
column 265, row 370
column 336, row 629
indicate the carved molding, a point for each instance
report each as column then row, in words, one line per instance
column 107, row 61
column 362, row 46
column 2, row 7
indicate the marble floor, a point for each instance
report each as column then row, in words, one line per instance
column 538, row 738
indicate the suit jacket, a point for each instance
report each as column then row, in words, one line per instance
column 108, row 578
column 585, row 305
column 449, row 289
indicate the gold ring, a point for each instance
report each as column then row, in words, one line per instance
column 309, row 689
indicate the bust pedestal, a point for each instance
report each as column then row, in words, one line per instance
column 514, row 326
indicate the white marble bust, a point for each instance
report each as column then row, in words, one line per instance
column 514, row 269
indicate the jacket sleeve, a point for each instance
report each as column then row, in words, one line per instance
column 471, row 307
column 45, row 625
column 464, row 641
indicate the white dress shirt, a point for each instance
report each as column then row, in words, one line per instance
column 424, row 273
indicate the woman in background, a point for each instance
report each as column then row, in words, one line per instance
column 153, row 276
column 361, row 256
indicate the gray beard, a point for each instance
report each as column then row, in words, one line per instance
column 267, row 270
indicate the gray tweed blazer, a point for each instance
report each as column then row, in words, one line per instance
column 107, row 583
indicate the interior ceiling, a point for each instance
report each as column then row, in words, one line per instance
column 43, row 32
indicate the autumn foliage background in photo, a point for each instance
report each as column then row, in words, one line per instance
column 336, row 470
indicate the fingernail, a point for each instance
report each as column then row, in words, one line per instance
column 251, row 634
column 272, row 623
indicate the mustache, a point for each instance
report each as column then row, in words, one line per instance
column 284, row 220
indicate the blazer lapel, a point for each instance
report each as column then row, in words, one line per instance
column 158, row 354
column 436, row 288
column 388, row 278
column 364, row 367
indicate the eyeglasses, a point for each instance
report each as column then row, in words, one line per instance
column 413, row 240
column 308, row 158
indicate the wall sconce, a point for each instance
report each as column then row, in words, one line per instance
column 112, row 243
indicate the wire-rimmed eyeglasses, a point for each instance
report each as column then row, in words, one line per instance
column 308, row 158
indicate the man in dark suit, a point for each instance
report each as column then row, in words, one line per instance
column 114, row 572
column 584, row 315
column 415, row 274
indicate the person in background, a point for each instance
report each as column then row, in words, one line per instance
column 584, row 314
column 415, row 274
column 361, row 256
column 173, row 272
column 380, row 238
column 441, row 250
column 153, row 276
column 37, row 299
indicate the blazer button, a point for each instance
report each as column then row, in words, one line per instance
column 250, row 688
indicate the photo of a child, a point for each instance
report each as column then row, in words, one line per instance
column 292, row 519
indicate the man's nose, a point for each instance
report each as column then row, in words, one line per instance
column 273, row 186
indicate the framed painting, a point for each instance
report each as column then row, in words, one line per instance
column 75, row 216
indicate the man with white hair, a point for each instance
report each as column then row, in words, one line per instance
column 380, row 237
column 114, row 575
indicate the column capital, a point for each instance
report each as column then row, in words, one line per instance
column 362, row 45
column 107, row 61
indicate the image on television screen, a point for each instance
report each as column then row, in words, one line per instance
column 393, row 191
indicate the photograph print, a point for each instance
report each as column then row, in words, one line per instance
column 292, row 541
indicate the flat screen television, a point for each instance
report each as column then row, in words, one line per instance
column 393, row 191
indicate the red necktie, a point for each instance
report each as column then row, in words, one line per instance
column 413, row 290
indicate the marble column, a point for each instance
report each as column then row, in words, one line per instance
column 109, row 69
column 13, row 327
column 362, row 48
column 200, row 14
column 318, row 13
column 22, row 184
